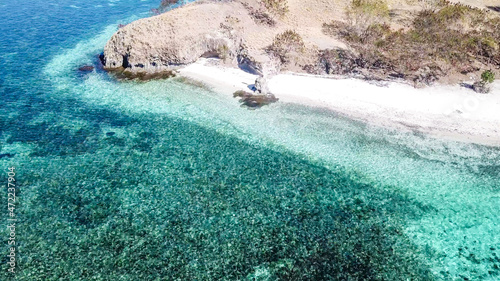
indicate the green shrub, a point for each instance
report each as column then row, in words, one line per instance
column 363, row 13
column 260, row 15
column 278, row 7
column 377, row 8
column 488, row 76
column 285, row 44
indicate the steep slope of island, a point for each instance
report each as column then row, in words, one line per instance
column 240, row 32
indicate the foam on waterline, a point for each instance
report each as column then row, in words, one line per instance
column 81, row 53
column 439, row 174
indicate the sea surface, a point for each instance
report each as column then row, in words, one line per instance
column 166, row 180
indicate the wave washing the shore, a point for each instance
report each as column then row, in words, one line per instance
column 165, row 180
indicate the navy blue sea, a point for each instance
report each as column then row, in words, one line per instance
column 165, row 180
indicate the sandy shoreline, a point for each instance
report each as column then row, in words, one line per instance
column 450, row 112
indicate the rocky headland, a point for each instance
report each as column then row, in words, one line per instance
column 419, row 41
column 240, row 32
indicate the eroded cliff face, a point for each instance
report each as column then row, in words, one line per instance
column 179, row 37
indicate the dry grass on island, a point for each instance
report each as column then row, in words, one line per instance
column 438, row 42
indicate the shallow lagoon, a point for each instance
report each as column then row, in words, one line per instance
column 164, row 181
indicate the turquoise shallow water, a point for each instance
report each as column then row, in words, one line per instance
column 167, row 181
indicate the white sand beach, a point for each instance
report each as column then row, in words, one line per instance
column 444, row 111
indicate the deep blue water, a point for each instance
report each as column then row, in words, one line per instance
column 167, row 181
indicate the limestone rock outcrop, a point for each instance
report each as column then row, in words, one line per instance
column 231, row 30
column 261, row 85
column 180, row 37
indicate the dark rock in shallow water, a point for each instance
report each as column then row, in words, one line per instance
column 86, row 68
column 102, row 59
column 109, row 134
column 255, row 101
column 122, row 73
column 241, row 94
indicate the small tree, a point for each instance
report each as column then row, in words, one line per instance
column 364, row 13
column 286, row 43
column 278, row 7
column 488, row 76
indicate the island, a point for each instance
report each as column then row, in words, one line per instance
column 424, row 66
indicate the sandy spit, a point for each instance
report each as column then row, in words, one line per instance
column 442, row 111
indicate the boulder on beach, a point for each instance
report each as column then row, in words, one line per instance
column 481, row 87
column 261, row 85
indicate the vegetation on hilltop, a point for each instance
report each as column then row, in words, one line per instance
column 285, row 45
column 278, row 7
column 449, row 38
column 267, row 12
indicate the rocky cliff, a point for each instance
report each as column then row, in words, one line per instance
column 239, row 32
column 175, row 38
